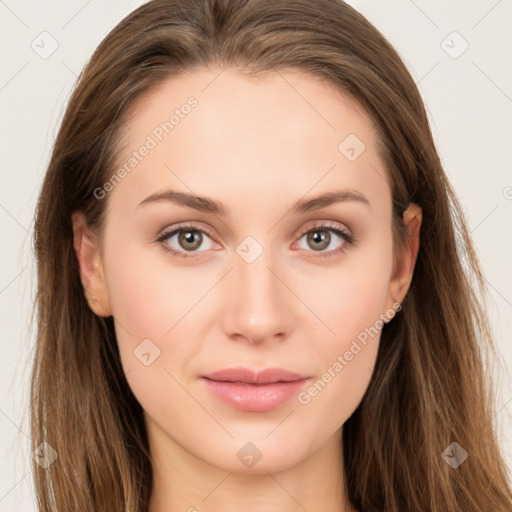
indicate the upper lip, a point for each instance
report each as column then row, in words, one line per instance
column 251, row 376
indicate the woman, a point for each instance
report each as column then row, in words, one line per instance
column 253, row 369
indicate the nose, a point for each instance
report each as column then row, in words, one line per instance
column 260, row 304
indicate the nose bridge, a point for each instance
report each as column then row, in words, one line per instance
column 257, row 302
column 253, row 266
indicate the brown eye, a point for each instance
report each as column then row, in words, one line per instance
column 190, row 239
column 319, row 238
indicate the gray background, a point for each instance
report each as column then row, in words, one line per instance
column 468, row 95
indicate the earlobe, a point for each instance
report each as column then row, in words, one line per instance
column 402, row 275
column 90, row 266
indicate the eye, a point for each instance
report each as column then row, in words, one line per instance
column 190, row 237
column 319, row 239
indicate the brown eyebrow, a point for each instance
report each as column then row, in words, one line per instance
column 327, row 199
column 207, row 205
column 203, row 204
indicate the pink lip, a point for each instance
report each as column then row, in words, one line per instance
column 249, row 390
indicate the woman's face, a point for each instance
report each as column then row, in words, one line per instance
column 257, row 282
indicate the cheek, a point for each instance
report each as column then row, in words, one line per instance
column 351, row 306
column 145, row 302
column 351, row 296
column 148, row 304
column 148, row 294
column 155, row 305
column 346, row 358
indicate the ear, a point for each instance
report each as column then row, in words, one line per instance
column 402, row 274
column 90, row 265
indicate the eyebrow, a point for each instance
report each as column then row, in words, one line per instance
column 208, row 205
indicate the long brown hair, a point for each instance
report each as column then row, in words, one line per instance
column 431, row 383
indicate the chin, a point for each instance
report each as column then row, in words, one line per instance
column 255, row 455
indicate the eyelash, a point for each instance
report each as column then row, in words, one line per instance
column 345, row 236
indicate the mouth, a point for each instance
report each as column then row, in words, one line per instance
column 248, row 390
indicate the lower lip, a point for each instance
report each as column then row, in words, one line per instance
column 255, row 397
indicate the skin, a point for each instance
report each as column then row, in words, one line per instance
column 258, row 145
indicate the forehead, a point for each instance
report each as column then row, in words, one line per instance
column 220, row 133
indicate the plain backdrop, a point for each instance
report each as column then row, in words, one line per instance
column 457, row 53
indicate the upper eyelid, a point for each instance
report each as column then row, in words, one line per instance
column 166, row 232
column 316, row 224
